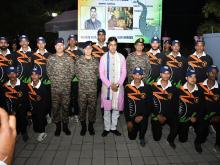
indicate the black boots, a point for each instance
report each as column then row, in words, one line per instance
column 83, row 129
column 198, row 147
column 25, row 136
column 58, row 129
column 66, row 129
column 91, row 128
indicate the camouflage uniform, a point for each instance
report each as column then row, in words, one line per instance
column 87, row 72
column 60, row 71
column 134, row 61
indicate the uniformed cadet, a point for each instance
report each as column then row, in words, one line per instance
column 75, row 52
column 60, row 70
column 211, row 90
column 156, row 59
column 200, row 61
column 40, row 58
column 16, row 101
column 24, row 59
column 177, row 63
column 191, row 109
column 6, row 59
column 100, row 48
column 87, row 71
column 138, row 58
column 165, row 110
column 138, row 105
column 39, row 97
column 166, row 47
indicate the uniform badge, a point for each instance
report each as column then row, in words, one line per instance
column 20, row 94
column 216, row 97
column 196, row 100
column 169, row 96
column 143, row 96
column 204, row 64
column 159, row 61
column 29, row 59
column 38, row 98
column 180, row 64
column 10, row 62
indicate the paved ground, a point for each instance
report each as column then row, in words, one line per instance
column 112, row 150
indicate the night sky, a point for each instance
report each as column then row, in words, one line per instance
column 180, row 17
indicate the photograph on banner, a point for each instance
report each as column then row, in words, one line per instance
column 127, row 20
column 120, row 18
column 92, row 17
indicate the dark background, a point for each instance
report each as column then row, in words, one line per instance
column 181, row 18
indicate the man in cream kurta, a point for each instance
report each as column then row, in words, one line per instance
column 112, row 73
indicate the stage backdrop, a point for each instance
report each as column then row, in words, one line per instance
column 125, row 19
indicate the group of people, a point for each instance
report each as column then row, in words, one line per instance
column 162, row 86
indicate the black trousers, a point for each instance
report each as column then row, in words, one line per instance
column 204, row 127
column 138, row 127
column 39, row 120
column 74, row 99
column 183, row 131
column 21, row 121
column 157, row 129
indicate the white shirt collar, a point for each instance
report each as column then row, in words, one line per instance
column 29, row 49
column 206, row 83
column 203, row 54
column 37, row 86
column 178, row 55
column 105, row 45
column 17, row 83
column 7, row 53
column 141, row 85
column 151, row 51
column 194, row 89
column 38, row 51
column 76, row 48
column 164, row 88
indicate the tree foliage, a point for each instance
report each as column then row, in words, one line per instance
column 211, row 13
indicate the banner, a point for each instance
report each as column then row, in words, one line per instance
column 127, row 20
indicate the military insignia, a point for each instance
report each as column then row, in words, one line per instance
column 169, row 96
column 196, row 100
column 38, row 98
column 180, row 64
column 216, row 97
column 159, row 61
column 29, row 59
column 10, row 62
column 143, row 96
column 20, row 94
column 204, row 64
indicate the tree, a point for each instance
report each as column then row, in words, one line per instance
column 211, row 13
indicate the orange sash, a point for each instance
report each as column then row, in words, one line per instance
column 173, row 63
column 188, row 96
column 99, row 50
column 32, row 92
column 161, row 91
column 11, row 92
column 195, row 63
column 3, row 59
column 136, row 93
column 41, row 58
column 70, row 53
column 153, row 59
column 23, row 56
